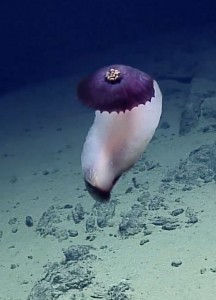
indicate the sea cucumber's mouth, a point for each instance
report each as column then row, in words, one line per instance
column 115, row 88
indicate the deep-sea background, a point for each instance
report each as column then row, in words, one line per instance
column 39, row 37
column 42, row 43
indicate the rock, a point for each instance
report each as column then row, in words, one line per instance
column 68, row 206
column 147, row 231
column 13, row 179
column 203, row 271
column 42, row 290
column 156, row 203
column 144, row 198
column 200, row 105
column 160, row 221
column 192, row 220
column 12, row 221
column 165, row 125
column 119, row 292
column 29, row 221
column 104, row 212
column 67, row 276
column 14, row 230
column 47, row 223
column 90, row 224
column 73, row 233
column 176, row 263
column 190, row 116
column 78, row 213
column 169, row 226
column 57, row 221
column 144, row 241
column 133, row 221
column 59, row 279
column 177, row 212
column 91, row 237
column 77, row 253
column 13, row 266
column 213, row 270
column 198, row 168
column 190, row 214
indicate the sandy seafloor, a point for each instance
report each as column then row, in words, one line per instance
column 42, row 130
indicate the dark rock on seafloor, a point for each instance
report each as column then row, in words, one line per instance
column 59, row 279
column 199, row 168
column 29, row 221
column 160, row 221
column 177, row 212
column 176, row 263
column 59, row 221
column 77, row 252
column 192, row 220
column 200, row 104
column 143, row 241
column 189, row 118
column 73, row 233
column 103, row 212
column 119, row 292
column 78, row 213
column 90, row 224
column 156, row 203
column 67, row 276
column 133, row 221
column 144, row 198
column 165, row 125
column 170, row 226
column 42, row 291
column 12, row 221
column 165, row 223
column 191, row 215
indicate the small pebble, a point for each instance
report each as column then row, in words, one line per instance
column 176, row 263
column 90, row 238
column 68, row 206
column 159, row 222
column 164, row 125
column 169, row 226
column 213, row 270
column 177, row 212
column 144, row 241
column 45, row 172
column 13, row 266
column 29, row 221
column 72, row 233
column 147, row 232
column 13, row 179
column 12, row 221
column 128, row 190
column 203, row 270
column 14, row 229
column 192, row 220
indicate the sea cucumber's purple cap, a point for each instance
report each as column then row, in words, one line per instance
column 116, row 88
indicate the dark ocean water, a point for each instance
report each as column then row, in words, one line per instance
column 39, row 37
